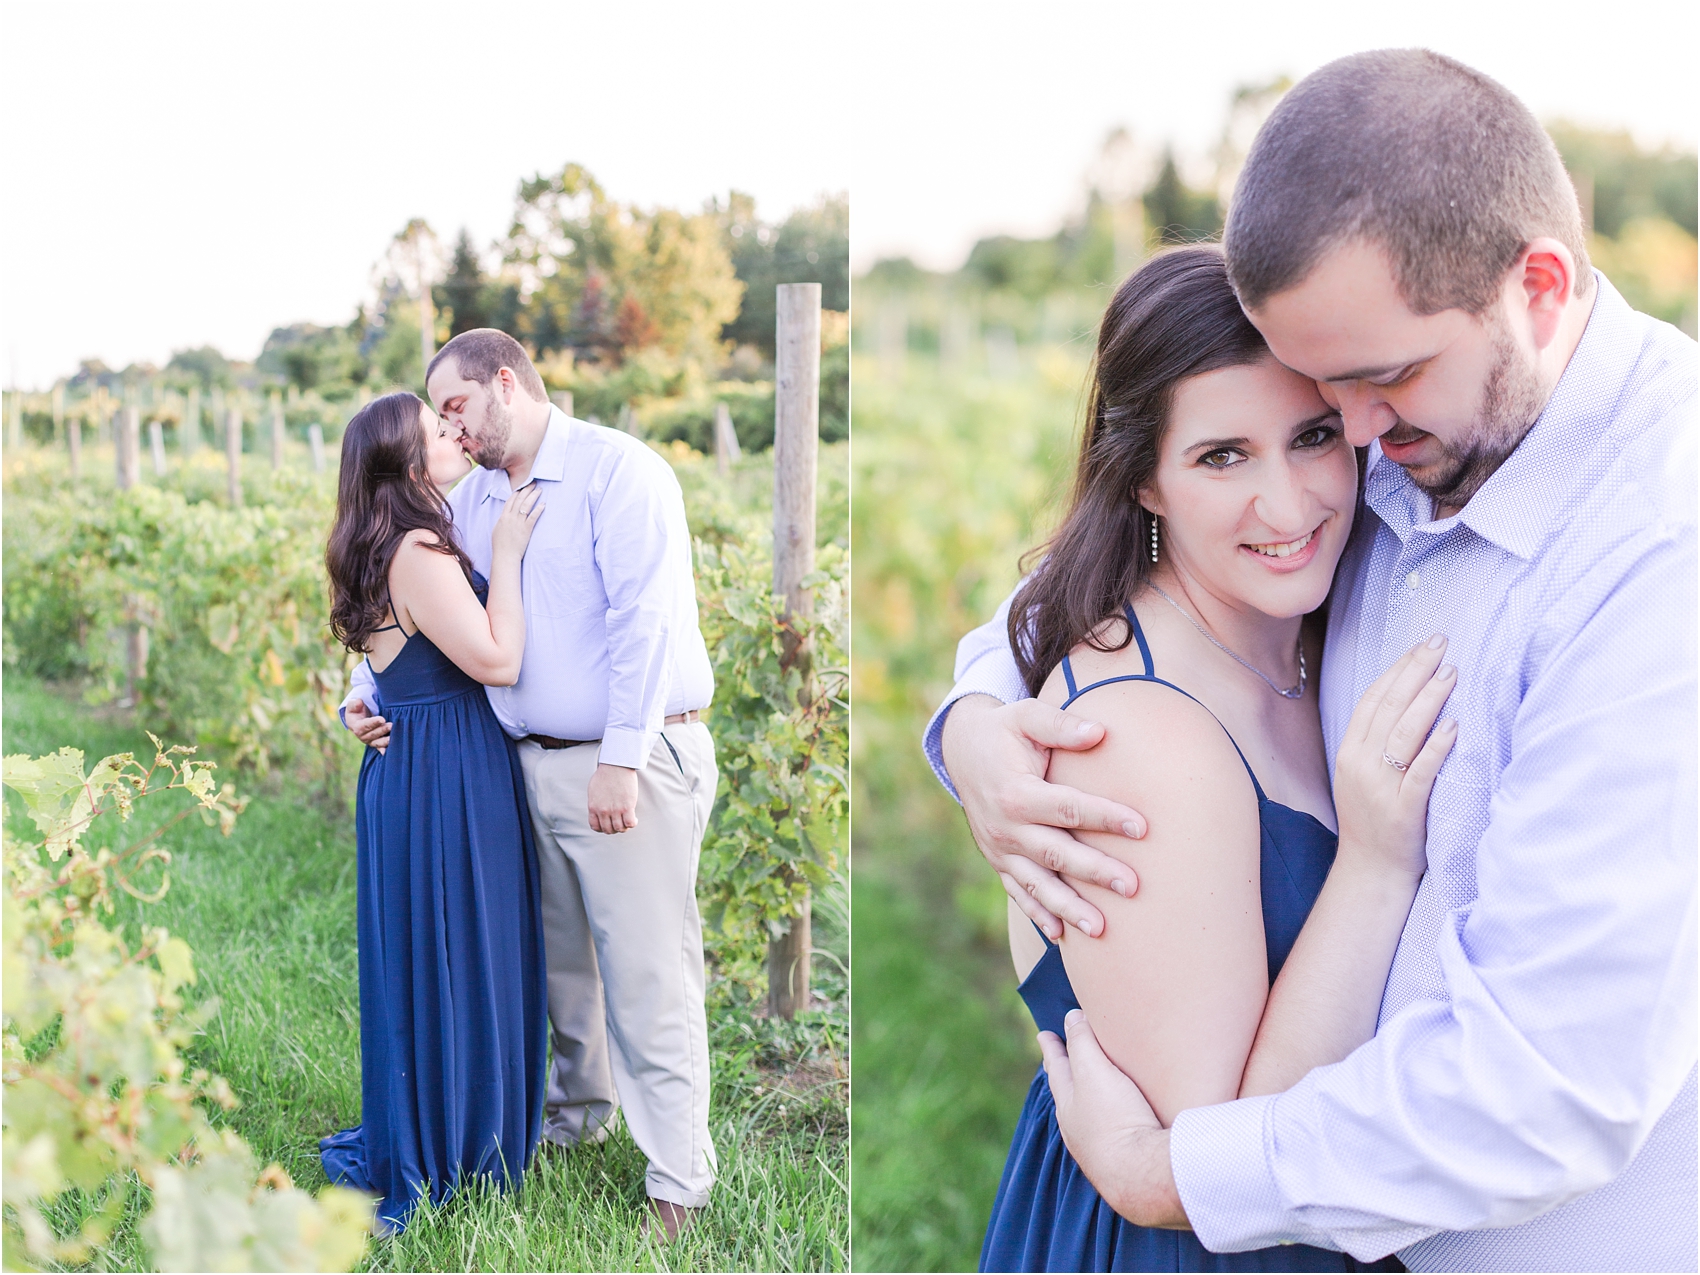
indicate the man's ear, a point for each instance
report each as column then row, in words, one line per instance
column 506, row 384
column 1547, row 274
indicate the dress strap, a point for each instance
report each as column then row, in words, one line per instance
column 1150, row 675
column 390, row 603
column 1139, row 637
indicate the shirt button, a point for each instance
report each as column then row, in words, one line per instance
column 1413, row 580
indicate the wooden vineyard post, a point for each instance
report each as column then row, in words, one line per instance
column 726, row 450
column 233, row 455
column 156, row 444
column 562, row 399
column 277, row 430
column 14, row 420
column 316, row 441
column 796, row 442
column 74, row 440
column 129, row 448
column 190, row 442
column 218, row 416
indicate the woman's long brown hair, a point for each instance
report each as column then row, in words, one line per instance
column 383, row 492
column 1173, row 318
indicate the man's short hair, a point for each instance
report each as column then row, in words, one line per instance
column 482, row 352
column 1433, row 162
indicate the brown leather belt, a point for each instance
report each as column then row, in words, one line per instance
column 551, row 743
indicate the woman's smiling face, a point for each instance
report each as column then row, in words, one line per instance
column 1256, row 486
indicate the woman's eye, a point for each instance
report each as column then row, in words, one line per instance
column 1219, row 459
column 1317, row 436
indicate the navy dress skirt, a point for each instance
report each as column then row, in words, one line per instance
column 1047, row 1216
column 452, row 1009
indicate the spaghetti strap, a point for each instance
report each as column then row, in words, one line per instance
column 389, row 602
column 1139, row 637
column 1150, row 675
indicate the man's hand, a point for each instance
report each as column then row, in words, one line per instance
column 368, row 728
column 613, row 798
column 1110, row 1129
column 997, row 755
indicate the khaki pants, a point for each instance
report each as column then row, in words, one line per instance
column 624, row 946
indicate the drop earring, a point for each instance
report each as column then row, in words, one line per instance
column 1153, row 539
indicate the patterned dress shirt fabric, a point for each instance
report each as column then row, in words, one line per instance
column 612, row 645
column 1529, row 1100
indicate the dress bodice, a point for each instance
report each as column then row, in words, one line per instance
column 421, row 673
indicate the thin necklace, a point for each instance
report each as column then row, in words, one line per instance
column 1291, row 692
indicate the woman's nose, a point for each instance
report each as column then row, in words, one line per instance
column 1283, row 503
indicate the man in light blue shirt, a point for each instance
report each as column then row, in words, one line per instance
column 1528, row 1101
column 620, row 772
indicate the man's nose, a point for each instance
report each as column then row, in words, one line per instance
column 1364, row 412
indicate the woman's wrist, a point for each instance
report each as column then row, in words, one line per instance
column 1372, row 869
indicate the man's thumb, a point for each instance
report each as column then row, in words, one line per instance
column 1057, row 1069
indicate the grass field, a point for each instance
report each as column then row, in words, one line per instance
column 952, row 472
column 270, row 915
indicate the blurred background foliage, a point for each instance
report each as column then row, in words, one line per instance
column 647, row 317
column 969, row 385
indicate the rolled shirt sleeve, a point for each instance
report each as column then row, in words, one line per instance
column 1564, row 1023
column 984, row 666
column 364, row 688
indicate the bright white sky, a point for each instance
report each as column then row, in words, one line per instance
column 189, row 173
column 977, row 119
column 184, row 173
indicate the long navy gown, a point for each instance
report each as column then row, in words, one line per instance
column 452, row 1010
column 1047, row 1216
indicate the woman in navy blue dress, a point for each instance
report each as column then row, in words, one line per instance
column 1213, row 498
column 452, row 1011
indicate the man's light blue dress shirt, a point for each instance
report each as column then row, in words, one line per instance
column 612, row 645
column 1528, row 1102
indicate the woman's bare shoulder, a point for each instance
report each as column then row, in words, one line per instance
column 1163, row 753
column 420, row 556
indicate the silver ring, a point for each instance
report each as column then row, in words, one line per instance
column 1397, row 765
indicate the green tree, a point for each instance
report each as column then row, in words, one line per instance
column 812, row 245
column 1178, row 213
column 1623, row 182
column 581, row 260
column 203, row 365
column 464, row 294
column 311, row 357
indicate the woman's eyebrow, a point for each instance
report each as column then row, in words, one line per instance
column 1314, row 421
column 1216, row 444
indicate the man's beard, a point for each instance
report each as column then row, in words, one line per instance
column 491, row 444
column 1512, row 398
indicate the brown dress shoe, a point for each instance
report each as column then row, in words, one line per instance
column 667, row 1220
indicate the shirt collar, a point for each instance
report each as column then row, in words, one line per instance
column 1515, row 506
column 551, row 462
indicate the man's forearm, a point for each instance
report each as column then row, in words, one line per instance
column 1144, row 1191
column 959, row 726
